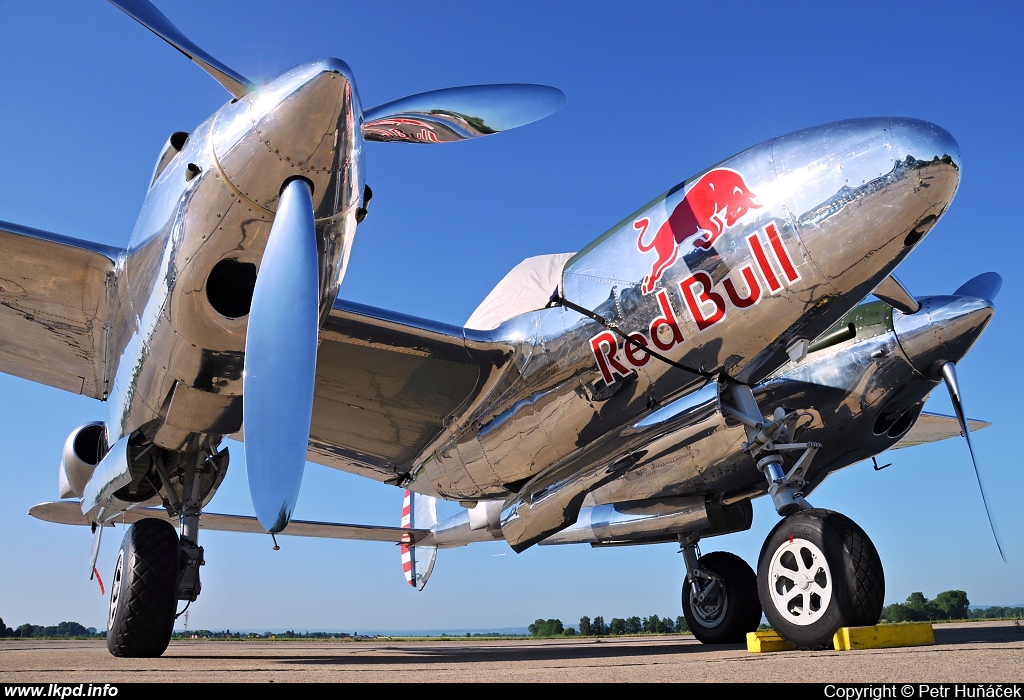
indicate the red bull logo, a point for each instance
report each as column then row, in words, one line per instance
column 713, row 204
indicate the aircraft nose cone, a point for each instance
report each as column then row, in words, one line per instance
column 864, row 193
column 924, row 142
column 942, row 331
column 296, row 115
column 931, row 155
column 301, row 124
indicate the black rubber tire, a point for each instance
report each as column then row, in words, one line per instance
column 857, row 579
column 144, row 590
column 742, row 607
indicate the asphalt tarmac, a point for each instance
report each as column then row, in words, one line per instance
column 987, row 652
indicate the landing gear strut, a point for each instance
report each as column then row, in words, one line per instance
column 720, row 600
column 817, row 571
column 766, row 442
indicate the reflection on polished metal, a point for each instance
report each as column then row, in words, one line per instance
column 111, row 474
column 652, row 520
column 280, row 359
column 232, row 269
column 984, row 286
column 717, row 332
column 544, row 411
column 456, row 114
column 802, row 237
column 861, row 395
column 942, row 331
column 496, row 436
column 892, row 292
column 83, row 450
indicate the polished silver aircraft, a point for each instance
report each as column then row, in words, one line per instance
column 711, row 348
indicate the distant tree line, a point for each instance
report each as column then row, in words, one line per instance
column 947, row 605
column 996, row 612
column 63, row 630
column 618, row 625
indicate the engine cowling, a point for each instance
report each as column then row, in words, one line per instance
column 83, row 450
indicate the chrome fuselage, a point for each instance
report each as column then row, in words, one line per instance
column 860, row 391
column 186, row 281
column 824, row 216
column 789, row 237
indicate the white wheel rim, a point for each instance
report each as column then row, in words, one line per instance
column 712, row 611
column 115, row 588
column 800, row 582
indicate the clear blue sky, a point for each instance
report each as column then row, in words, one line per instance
column 655, row 93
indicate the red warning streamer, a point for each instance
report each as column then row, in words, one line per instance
column 98, row 580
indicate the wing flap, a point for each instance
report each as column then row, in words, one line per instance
column 70, row 513
column 54, row 297
column 385, row 385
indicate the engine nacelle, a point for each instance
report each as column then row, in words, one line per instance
column 83, row 450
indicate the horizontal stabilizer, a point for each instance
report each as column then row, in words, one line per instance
column 70, row 513
column 932, row 427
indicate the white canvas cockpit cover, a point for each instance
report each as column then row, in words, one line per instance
column 527, row 287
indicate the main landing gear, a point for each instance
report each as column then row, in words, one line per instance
column 143, row 592
column 817, row 572
column 155, row 569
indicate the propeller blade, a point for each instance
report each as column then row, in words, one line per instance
column 280, row 359
column 146, row 14
column 949, row 375
column 984, row 286
column 459, row 113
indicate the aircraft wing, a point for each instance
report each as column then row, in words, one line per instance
column 386, row 383
column 932, row 427
column 54, row 296
column 70, row 513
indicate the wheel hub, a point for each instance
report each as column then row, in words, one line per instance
column 115, row 588
column 712, row 609
column 801, row 582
